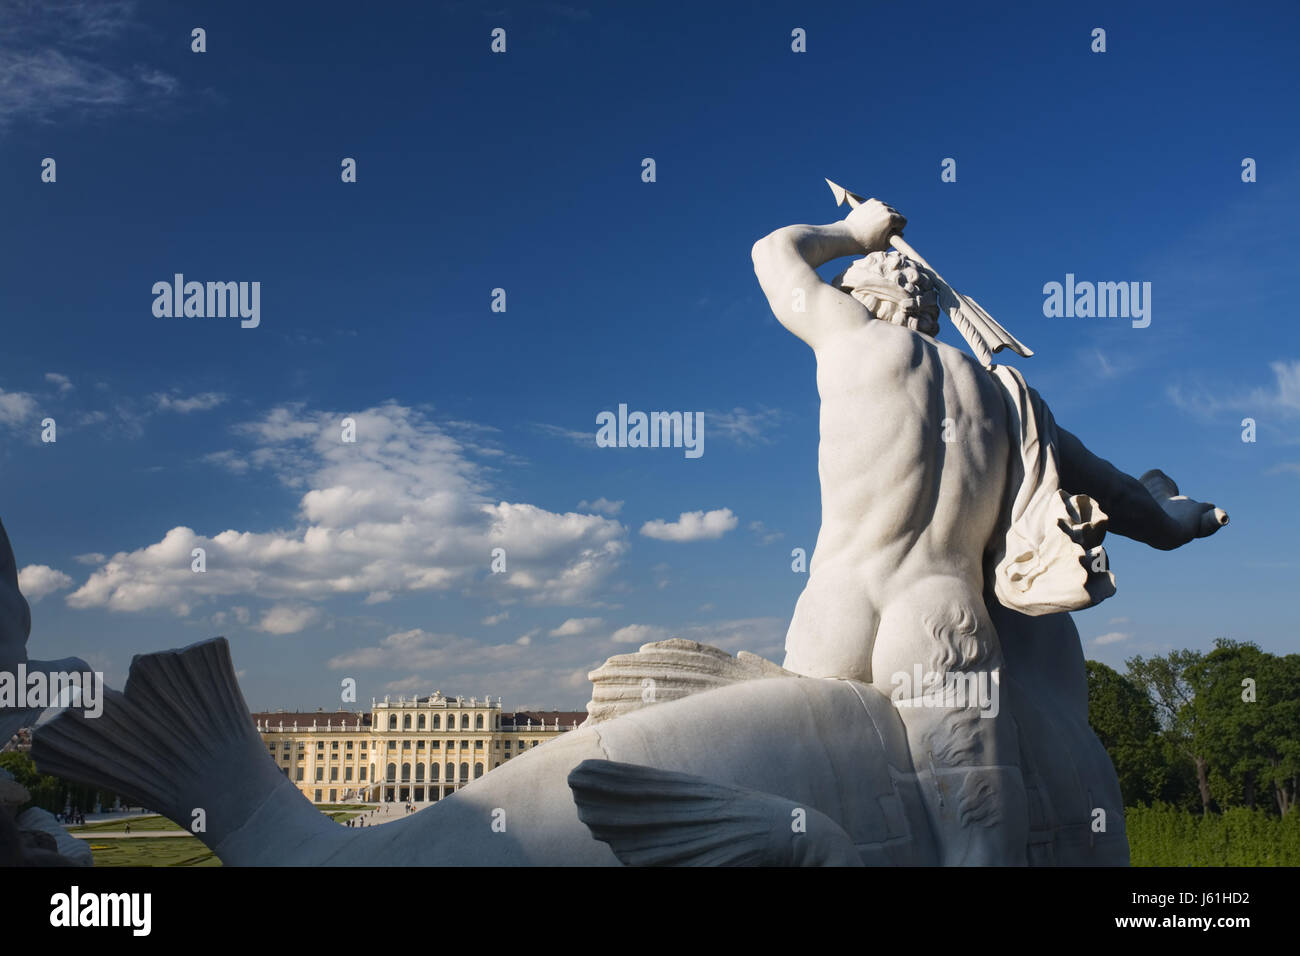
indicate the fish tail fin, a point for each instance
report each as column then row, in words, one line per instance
column 179, row 740
column 652, row 817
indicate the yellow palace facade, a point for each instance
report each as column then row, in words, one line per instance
column 416, row 749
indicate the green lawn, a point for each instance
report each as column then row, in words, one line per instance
column 167, row 851
column 153, row 851
column 137, row 823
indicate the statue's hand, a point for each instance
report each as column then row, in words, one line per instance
column 1188, row 518
column 872, row 223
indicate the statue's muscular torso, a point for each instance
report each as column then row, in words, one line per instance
column 906, row 515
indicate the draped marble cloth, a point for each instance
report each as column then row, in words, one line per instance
column 1051, row 559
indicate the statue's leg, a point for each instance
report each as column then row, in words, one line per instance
column 937, row 656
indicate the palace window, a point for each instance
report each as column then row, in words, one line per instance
column 464, row 771
column 433, row 772
column 464, row 721
column 451, row 772
column 437, row 721
column 392, row 773
column 299, row 776
column 478, row 745
column 419, row 773
column 478, row 770
column 419, row 722
column 406, row 773
column 334, row 774
column 362, row 774
column 347, row 774
column 436, row 745
column 406, row 721
column 392, row 721
column 334, row 745
column 478, row 722
column 320, row 773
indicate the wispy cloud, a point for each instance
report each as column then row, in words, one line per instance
column 1114, row 637
column 61, row 382
column 1281, row 398
column 204, row 401
column 64, row 56
column 743, row 426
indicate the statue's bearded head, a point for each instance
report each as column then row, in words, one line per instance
column 894, row 289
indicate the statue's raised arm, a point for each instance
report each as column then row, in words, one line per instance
column 785, row 262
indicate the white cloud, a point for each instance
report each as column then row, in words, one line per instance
column 1114, row 637
column 764, row 636
column 16, row 408
column 603, row 505
column 61, row 382
column 90, row 557
column 229, row 460
column 285, row 619
column 640, row 634
column 403, row 509
column 691, row 526
column 421, row 650
column 494, row 619
column 577, row 625
column 202, row 402
column 38, row 580
column 765, row 534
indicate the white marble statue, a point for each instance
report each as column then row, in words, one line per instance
column 934, row 471
column 932, row 707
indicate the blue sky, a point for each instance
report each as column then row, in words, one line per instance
column 522, row 171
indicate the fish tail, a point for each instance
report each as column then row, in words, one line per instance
column 179, row 740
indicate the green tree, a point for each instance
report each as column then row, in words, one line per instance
column 1167, row 682
column 1124, row 719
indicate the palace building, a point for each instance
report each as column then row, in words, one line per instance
column 408, row 750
